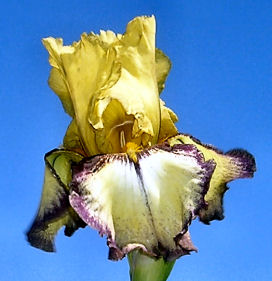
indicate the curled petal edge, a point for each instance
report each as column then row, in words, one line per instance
column 234, row 164
column 89, row 206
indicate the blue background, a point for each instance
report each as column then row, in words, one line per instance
column 220, row 87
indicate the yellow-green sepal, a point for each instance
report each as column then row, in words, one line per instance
column 55, row 211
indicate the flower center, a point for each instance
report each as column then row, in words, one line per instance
column 130, row 148
column 120, row 135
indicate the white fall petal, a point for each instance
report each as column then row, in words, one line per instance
column 148, row 204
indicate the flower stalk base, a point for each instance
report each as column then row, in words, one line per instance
column 145, row 268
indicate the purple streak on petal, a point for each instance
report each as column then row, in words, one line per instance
column 182, row 239
column 245, row 162
column 92, row 165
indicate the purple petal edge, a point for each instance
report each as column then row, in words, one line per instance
column 115, row 253
column 81, row 208
column 244, row 160
column 183, row 242
column 208, row 168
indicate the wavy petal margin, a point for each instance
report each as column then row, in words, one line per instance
column 148, row 204
column 102, row 72
column 237, row 163
column 55, row 210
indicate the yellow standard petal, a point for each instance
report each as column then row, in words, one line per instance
column 57, row 80
column 79, row 66
column 131, row 106
column 110, row 85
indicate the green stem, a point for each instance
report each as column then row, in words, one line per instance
column 146, row 268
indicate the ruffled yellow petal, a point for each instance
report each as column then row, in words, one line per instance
column 57, row 80
column 168, row 118
column 108, row 37
column 110, row 83
column 132, row 104
column 80, row 65
column 234, row 164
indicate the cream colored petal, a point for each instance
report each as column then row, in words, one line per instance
column 147, row 205
column 163, row 66
column 168, row 120
column 232, row 165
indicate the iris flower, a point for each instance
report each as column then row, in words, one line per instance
column 123, row 168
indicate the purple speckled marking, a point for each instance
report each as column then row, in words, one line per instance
column 81, row 208
column 92, row 165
